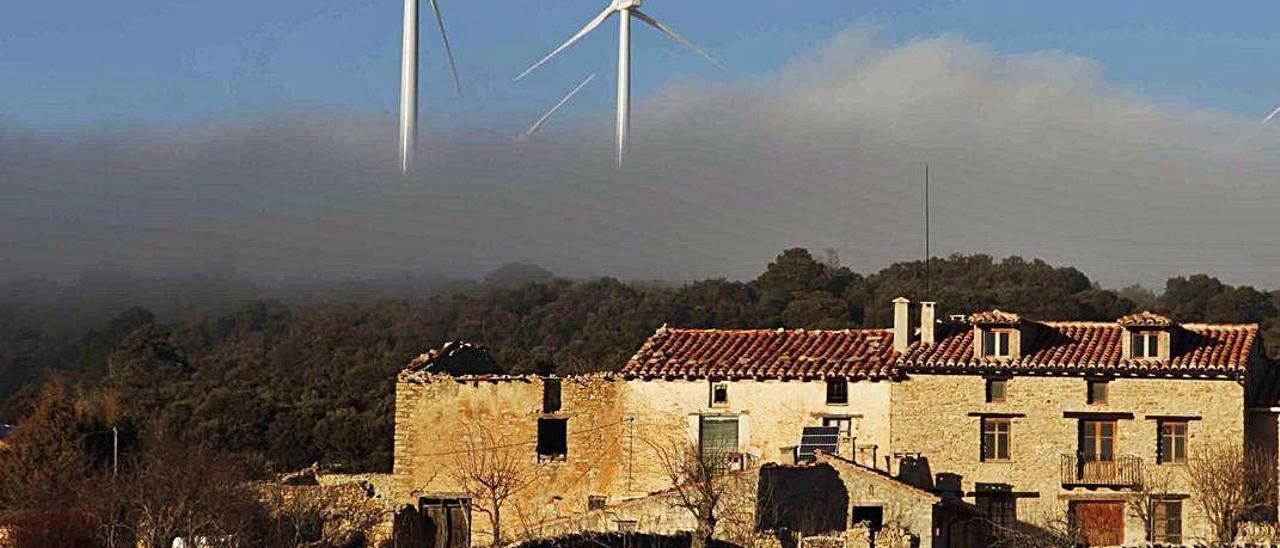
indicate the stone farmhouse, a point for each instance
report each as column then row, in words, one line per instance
column 938, row 430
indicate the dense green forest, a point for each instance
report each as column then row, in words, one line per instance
column 286, row 382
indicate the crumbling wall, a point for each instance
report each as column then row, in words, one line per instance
column 436, row 414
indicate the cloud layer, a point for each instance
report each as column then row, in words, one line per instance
column 1031, row 154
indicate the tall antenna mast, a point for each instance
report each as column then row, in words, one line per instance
column 928, row 278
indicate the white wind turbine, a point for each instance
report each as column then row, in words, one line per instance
column 1272, row 115
column 409, row 79
column 625, row 10
column 538, row 124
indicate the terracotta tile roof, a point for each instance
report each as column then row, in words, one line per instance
column 1146, row 318
column 765, row 353
column 995, row 317
column 1090, row 347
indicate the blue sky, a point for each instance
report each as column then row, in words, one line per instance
column 181, row 61
column 165, row 135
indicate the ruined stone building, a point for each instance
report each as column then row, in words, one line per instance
column 991, row 418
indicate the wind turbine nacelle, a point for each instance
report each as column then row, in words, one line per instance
column 626, row 4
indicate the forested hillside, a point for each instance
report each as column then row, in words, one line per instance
column 291, row 384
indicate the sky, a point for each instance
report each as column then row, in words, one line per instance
column 1120, row 138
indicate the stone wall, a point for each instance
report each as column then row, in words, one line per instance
column 439, row 417
column 772, row 413
column 618, row 432
column 934, row 415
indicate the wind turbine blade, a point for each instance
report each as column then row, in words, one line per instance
column 1272, row 115
column 537, row 125
column 448, row 49
column 590, row 26
column 675, row 36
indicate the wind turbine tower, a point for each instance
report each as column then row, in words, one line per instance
column 409, row 79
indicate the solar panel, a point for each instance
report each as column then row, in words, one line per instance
column 812, row 438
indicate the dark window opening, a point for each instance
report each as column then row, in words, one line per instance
column 719, row 394
column 997, row 502
column 995, row 439
column 872, row 516
column 1166, row 517
column 996, row 390
column 550, row 395
column 1097, row 392
column 837, row 391
column 553, row 439
column 596, row 502
column 311, row 528
column 1172, row 446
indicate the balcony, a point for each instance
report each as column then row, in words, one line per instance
column 1124, row 471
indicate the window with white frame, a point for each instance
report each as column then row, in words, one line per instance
column 995, row 343
column 1146, row 344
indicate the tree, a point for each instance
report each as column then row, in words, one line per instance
column 1141, row 501
column 187, row 490
column 696, row 475
column 1232, row 485
column 490, row 473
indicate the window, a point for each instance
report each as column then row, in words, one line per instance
column 550, row 395
column 872, row 516
column 718, row 436
column 1146, row 344
column 996, row 389
column 995, row 343
column 719, row 394
column 1172, row 448
column 1166, row 517
column 596, row 502
column 845, row 424
column 1098, row 440
column 996, row 500
column 553, row 439
column 1097, row 392
column 995, row 439
column 626, row 526
column 838, row 391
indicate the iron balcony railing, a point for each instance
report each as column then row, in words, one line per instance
column 1122, row 471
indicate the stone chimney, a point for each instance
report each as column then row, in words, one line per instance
column 928, row 323
column 901, row 324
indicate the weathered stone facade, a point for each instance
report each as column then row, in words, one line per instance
column 939, row 417
column 614, row 428
column 907, row 405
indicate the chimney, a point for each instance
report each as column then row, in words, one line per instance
column 928, row 325
column 901, row 324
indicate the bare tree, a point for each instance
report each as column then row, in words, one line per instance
column 1232, row 485
column 190, row 491
column 1053, row 529
column 490, row 473
column 1141, row 501
column 336, row 514
column 695, row 476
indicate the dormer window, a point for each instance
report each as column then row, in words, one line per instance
column 995, row 343
column 1148, row 336
column 1146, row 344
column 997, row 335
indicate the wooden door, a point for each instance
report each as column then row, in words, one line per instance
column 1101, row 523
